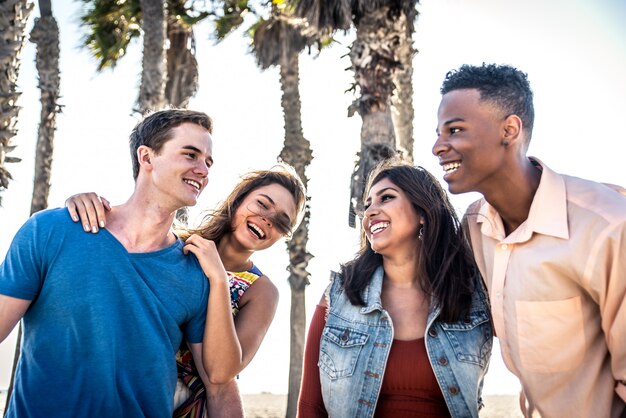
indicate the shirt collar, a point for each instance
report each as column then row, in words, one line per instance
column 547, row 215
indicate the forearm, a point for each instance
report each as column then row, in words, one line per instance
column 221, row 352
column 224, row 401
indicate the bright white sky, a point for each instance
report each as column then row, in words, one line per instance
column 573, row 50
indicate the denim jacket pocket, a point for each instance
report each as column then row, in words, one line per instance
column 339, row 350
column 471, row 338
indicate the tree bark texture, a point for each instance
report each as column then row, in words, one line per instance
column 45, row 35
column 182, row 67
column 296, row 152
column 374, row 57
column 402, row 110
column 152, row 88
column 14, row 16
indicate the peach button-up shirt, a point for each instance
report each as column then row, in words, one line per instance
column 557, row 286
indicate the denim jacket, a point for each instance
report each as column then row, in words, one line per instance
column 356, row 342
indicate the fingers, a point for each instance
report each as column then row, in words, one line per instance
column 89, row 209
column 206, row 252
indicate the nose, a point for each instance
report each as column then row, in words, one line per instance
column 202, row 168
column 440, row 146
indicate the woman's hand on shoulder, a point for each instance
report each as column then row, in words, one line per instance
column 206, row 252
column 90, row 209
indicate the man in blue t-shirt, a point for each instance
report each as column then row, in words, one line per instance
column 103, row 314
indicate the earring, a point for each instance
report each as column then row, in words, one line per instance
column 505, row 143
column 421, row 233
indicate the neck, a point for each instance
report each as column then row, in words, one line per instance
column 140, row 226
column 234, row 259
column 513, row 197
column 401, row 274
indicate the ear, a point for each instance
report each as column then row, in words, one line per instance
column 512, row 130
column 144, row 156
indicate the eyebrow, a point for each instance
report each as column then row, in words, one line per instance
column 195, row 149
column 280, row 213
column 381, row 191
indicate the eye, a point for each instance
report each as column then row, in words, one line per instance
column 191, row 155
column 454, row 130
column 386, row 197
column 262, row 204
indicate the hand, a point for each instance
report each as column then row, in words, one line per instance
column 206, row 252
column 88, row 208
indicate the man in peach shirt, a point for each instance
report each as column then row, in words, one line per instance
column 551, row 248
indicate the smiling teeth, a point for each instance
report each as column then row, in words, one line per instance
column 193, row 183
column 450, row 167
column 378, row 227
column 256, row 229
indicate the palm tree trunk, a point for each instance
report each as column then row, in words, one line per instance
column 14, row 16
column 374, row 62
column 152, row 88
column 45, row 35
column 182, row 66
column 296, row 152
column 402, row 110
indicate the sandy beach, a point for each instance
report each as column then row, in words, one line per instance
column 267, row 405
column 274, row 406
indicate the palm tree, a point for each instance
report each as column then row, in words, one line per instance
column 14, row 16
column 153, row 76
column 45, row 34
column 402, row 111
column 169, row 76
column 381, row 33
column 278, row 41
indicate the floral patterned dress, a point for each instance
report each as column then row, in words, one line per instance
column 194, row 406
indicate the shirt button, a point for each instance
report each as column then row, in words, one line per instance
column 504, row 246
column 432, row 332
column 443, row 361
column 453, row 390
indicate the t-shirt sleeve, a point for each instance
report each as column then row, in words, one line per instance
column 22, row 271
column 310, row 402
column 194, row 329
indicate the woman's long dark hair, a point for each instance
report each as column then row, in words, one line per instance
column 446, row 265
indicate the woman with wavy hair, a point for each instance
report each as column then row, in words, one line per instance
column 403, row 329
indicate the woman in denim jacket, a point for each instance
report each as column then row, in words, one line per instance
column 404, row 330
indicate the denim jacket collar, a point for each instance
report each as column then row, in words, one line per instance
column 371, row 294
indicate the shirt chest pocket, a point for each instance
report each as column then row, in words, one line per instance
column 551, row 334
column 471, row 338
column 340, row 348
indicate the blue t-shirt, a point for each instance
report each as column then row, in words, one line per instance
column 103, row 327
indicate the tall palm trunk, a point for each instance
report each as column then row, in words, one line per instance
column 296, row 152
column 402, row 111
column 152, row 88
column 14, row 16
column 182, row 66
column 374, row 60
column 45, row 35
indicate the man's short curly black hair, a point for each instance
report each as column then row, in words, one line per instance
column 503, row 85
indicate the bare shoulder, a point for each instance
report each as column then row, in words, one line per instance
column 262, row 290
